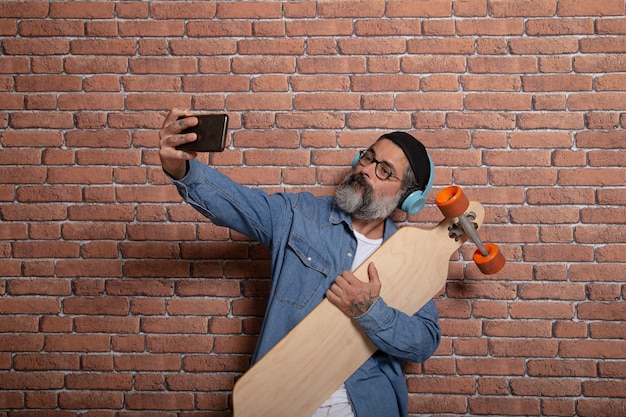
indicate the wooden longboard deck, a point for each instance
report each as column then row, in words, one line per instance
column 304, row 368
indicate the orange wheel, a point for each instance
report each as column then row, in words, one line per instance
column 452, row 201
column 491, row 263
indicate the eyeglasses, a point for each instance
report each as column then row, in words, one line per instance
column 383, row 170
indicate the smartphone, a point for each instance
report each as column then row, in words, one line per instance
column 211, row 131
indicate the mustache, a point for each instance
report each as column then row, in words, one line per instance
column 358, row 179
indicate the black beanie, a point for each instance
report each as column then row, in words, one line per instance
column 416, row 154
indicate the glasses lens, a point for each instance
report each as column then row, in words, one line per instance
column 383, row 170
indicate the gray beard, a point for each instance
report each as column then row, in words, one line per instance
column 356, row 197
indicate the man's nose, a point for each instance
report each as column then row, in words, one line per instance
column 369, row 170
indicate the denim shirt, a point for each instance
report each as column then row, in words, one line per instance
column 311, row 242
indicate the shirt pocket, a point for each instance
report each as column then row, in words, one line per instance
column 304, row 272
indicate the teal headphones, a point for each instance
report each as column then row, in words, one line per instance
column 414, row 198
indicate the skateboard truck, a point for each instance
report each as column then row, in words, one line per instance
column 464, row 222
column 452, row 202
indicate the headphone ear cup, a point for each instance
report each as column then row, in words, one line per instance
column 356, row 159
column 413, row 202
column 416, row 200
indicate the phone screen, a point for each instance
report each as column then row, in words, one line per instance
column 211, row 131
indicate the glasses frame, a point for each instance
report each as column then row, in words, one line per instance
column 377, row 169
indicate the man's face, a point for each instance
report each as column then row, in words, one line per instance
column 366, row 196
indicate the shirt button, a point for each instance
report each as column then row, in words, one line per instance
column 349, row 255
column 309, row 259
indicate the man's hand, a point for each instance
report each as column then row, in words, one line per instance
column 353, row 296
column 174, row 162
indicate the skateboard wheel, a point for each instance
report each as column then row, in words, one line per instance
column 491, row 263
column 452, row 201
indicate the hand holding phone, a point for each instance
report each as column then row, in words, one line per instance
column 211, row 133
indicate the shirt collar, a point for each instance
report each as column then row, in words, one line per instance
column 337, row 215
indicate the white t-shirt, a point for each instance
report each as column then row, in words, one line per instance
column 364, row 248
column 338, row 405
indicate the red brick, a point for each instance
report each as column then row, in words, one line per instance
column 596, row 101
column 595, row 407
column 608, row 26
column 562, row 368
column 191, row 382
column 159, row 401
column 32, row 194
column 219, row 28
column 592, row 176
column 327, row 101
column 16, row 9
column 40, row 362
column 513, row 406
column 92, row 362
column 598, row 63
column 525, row 8
column 612, row 369
column 490, row 27
column 14, row 65
column 48, row 83
column 91, row 399
column 42, row 400
column 526, row 347
column 537, row 329
column 88, row 268
column 270, row 83
column 104, row 381
column 610, row 349
column 131, row 10
column 433, row 63
column 335, row 65
column 204, row 287
column 545, row 388
column 602, row 311
column 418, row 8
column 149, row 382
column 77, row 343
column 197, row 307
column 241, row 102
column 22, row 175
column 37, row 46
column 582, row 8
column 563, row 26
column 50, row 286
column 408, row 27
column 163, row 65
column 429, row 101
column 190, row 10
column 31, row 380
column 110, row 306
column 54, row 324
column 440, row 83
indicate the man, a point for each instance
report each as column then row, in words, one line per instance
column 315, row 242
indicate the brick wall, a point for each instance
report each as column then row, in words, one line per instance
column 115, row 297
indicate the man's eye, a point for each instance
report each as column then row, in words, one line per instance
column 385, row 170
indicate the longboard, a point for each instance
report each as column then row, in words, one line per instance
column 305, row 367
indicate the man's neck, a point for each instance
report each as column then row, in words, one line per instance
column 371, row 229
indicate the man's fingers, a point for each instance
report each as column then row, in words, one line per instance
column 176, row 140
column 175, row 114
column 374, row 279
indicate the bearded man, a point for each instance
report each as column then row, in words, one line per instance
column 315, row 243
